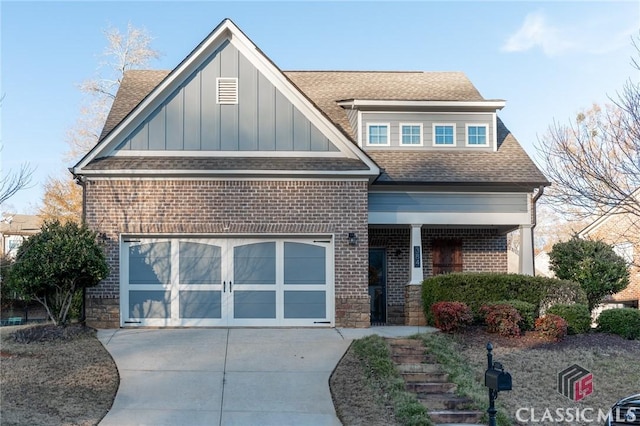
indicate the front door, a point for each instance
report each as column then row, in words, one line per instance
column 378, row 284
column 227, row 281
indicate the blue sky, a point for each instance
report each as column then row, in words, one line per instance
column 546, row 59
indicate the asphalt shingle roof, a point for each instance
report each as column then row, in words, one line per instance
column 509, row 164
column 227, row 164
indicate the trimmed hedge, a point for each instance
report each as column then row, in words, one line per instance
column 624, row 322
column 477, row 289
column 577, row 316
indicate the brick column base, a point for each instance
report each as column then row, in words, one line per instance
column 353, row 312
column 413, row 313
column 103, row 312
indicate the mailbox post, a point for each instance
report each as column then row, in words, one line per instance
column 496, row 379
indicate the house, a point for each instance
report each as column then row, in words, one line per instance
column 231, row 193
column 14, row 229
column 621, row 229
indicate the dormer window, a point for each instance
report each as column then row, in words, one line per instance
column 411, row 134
column 444, row 134
column 378, row 134
column 477, row 135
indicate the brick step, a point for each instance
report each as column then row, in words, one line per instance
column 419, row 368
column 444, row 401
column 455, row 416
column 422, row 390
column 437, row 377
column 414, row 359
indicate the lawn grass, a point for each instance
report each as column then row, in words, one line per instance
column 375, row 354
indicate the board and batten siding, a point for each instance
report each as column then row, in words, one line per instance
column 427, row 119
column 262, row 120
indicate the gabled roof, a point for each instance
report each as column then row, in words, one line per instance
column 324, row 91
column 142, row 92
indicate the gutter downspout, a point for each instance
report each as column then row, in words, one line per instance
column 82, row 180
column 535, row 198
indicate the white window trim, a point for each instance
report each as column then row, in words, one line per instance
column 421, row 143
column 388, row 134
column 466, row 135
column 433, row 135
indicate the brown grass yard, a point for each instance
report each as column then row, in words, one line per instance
column 64, row 379
column 72, row 380
column 534, row 365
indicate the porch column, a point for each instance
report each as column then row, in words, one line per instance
column 526, row 265
column 417, row 275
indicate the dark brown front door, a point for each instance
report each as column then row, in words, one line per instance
column 447, row 256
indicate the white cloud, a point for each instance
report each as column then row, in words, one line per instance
column 594, row 37
column 536, row 32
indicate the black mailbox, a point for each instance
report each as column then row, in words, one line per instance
column 497, row 380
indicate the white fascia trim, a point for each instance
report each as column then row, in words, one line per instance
column 154, row 99
column 227, row 178
column 359, row 129
column 448, row 218
column 266, row 154
column 495, row 132
column 198, row 173
column 490, row 104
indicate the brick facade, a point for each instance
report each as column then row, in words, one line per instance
column 196, row 207
column 483, row 250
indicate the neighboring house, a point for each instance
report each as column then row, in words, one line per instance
column 620, row 229
column 232, row 193
column 14, row 229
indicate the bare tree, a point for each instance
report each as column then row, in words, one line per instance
column 124, row 51
column 594, row 162
column 13, row 182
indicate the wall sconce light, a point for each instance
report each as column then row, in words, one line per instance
column 353, row 239
column 102, row 237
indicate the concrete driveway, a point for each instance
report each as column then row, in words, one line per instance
column 237, row 376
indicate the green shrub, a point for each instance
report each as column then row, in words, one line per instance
column 502, row 319
column 526, row 310
column 577, row 316
column 552, row 326
column 451, row 316
column 593, row 264
column 477, row 289
column 624, row 322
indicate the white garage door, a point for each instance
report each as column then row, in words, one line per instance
column 226, row 282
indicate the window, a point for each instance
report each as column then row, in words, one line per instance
column 378, row 134
column 444, row 134
column 477, row 135
column 411, row 134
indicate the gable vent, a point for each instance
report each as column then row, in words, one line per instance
column 227, row 90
